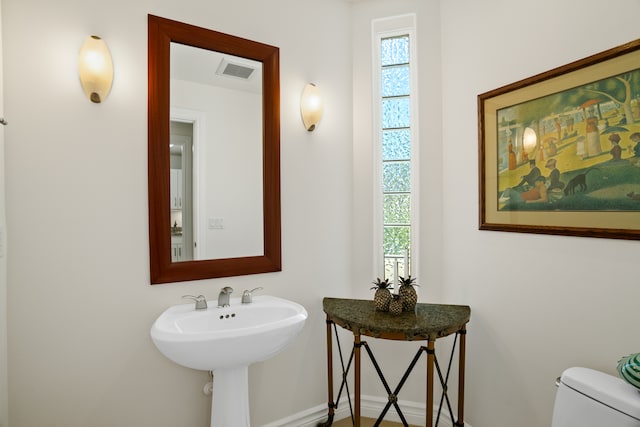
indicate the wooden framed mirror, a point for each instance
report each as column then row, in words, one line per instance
column 205, row 199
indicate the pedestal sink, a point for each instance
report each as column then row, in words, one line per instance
column 226, row 341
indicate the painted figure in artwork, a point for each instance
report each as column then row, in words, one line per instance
column 513, row 162
column 554, row 175
column 536, row 194
column 616, row 150
column 529, row 179
column 635, row 138
column 593, row 137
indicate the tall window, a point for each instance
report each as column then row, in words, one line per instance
column 396, row 148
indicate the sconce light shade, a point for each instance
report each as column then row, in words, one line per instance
column 311, row 106
column 95, row 68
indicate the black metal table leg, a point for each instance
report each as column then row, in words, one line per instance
column 331, row 404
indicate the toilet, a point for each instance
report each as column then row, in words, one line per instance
column 588, row 398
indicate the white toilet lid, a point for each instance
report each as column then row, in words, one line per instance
column 607, row 389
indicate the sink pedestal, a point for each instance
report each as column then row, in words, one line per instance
column 230, row 401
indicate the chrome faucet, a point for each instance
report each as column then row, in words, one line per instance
column 247, row 295
column 201, row 301
column 224, row 296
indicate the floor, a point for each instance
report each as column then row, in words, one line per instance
column 365, row 422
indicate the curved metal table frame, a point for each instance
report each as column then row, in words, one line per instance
column 429, row 322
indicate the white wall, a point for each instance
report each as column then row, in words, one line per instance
column 539, row 303
column 4, row 389
column 80, row 303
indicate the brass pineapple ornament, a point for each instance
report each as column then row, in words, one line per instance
column 382, row 297
column 407, row 292
column 395, row 306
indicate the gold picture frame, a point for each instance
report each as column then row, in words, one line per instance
column 559, row 152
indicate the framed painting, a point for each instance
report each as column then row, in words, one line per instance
column 559, row 152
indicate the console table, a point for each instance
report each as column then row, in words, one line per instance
column 427, row 323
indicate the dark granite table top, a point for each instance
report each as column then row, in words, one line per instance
column 428, row 322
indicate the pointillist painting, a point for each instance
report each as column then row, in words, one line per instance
column 560, row 151
column 578, row 149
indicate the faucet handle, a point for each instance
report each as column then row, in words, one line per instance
column 247, row 295
column 201, row 301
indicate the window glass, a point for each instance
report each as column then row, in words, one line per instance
column 395, row 81
column 394, row 50
column 396, row 144
column 396, row 135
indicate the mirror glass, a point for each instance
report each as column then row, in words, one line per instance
column 215, row 143
column 214, row 154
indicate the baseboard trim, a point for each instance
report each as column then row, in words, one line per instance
column 312, row 416
column 370, row 407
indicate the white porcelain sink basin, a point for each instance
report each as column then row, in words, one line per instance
column 227, row 340
column 227, row 337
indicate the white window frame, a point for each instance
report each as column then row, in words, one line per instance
column 384, row 28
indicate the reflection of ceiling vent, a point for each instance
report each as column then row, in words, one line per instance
column 231, row 69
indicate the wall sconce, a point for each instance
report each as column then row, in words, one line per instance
column 95, row 68
column 311, row 106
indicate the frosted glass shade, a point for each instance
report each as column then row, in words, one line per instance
column 95, row 68
column 311, row 106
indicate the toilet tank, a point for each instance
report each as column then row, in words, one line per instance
column 588, row 398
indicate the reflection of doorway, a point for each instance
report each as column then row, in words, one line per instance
column 183, row 242
column 191, row 123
